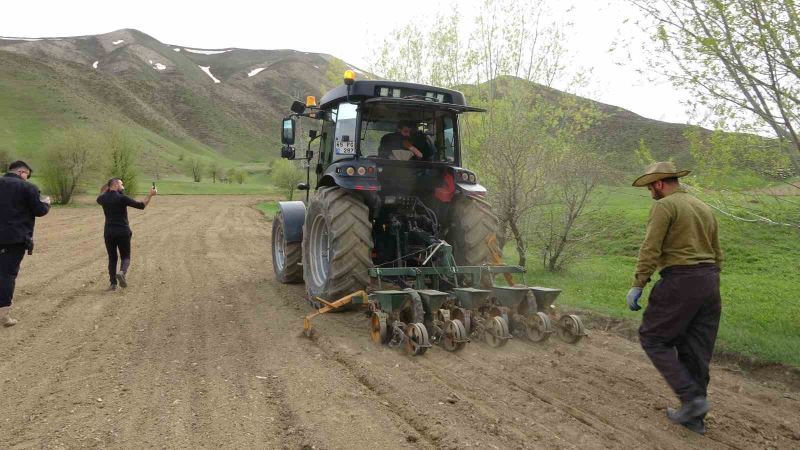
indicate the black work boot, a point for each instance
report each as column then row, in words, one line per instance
column 696, row 425
column 689, row 410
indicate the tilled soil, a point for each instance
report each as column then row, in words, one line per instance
column 204, row 350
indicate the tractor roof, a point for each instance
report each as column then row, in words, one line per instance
column 365, row 89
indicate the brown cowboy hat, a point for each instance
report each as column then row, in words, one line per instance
column 659, row 171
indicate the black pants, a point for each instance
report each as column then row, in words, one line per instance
column 117, row 240
column 680, row 326
column 10, row 259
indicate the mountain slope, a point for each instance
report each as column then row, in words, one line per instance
column 222, row 104
column 160, row 92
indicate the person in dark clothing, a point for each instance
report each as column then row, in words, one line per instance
column 680, row 324
column 401, row 139
column 20, row 204
column 117, row 232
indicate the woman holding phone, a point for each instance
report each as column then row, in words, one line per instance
column 117, row 232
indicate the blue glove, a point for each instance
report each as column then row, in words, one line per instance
column 633, row 298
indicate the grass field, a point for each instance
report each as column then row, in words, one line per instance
column 760, row 279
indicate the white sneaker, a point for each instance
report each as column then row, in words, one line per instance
column 5, row 319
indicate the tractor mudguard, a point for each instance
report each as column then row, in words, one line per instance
column 294, row 216
column 471, row 189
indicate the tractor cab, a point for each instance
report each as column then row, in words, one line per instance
column 389, row 137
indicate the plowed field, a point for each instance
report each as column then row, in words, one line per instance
column 204, row 350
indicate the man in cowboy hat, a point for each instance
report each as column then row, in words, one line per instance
column 680, row 324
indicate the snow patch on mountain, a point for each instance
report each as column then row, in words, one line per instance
column 177, row 49
column 118, row 42
column 159, row 66
column 20, row 39
column 94, row 66
column 255, row 72
column 207, row 70
column 206, row 52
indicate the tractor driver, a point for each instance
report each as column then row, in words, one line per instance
column 405, row 137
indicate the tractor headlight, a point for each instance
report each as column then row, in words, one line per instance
column 350, row 171
column 464, row 176
column 362, row 171
column 473, row 178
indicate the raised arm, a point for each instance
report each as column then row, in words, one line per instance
column 141, row 204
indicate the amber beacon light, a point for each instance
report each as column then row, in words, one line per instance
column 349, row 77
column 311, row 101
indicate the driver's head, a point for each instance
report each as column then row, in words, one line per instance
column 405, row 127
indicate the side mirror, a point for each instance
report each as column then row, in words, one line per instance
column 302, row 186
column 287, row 132
column 287, row 152
column 298, row 107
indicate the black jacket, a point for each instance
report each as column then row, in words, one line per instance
column 19, row 207
column 115, row 207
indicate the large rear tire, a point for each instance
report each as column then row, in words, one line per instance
column 472, row 224
column 337, row 242
column 286, row 256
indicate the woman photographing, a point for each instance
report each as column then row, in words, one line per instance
column 117, row 232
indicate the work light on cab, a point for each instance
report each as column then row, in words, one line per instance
column 349, row 77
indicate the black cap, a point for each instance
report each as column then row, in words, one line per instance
column 17, row 164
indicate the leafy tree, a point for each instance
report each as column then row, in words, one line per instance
column 71, row 156
column 215, row 171
column 740, row 59
column 286, row 175
column 122, row 157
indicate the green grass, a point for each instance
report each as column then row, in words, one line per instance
column 761, row 311
column 206, row 187
column 268, row 208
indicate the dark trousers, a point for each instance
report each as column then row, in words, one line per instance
column 680, row 326
column 117, row 240
column 10, row 259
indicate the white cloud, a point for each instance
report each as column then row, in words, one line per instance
column 207, row 70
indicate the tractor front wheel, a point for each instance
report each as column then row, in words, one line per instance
column 286, row 256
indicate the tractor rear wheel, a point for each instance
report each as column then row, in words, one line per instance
column 286, row 256
column 472, row 225
column 337, row 241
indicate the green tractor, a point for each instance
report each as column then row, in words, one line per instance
column 390, row 198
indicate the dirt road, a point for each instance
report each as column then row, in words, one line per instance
column 204, row 351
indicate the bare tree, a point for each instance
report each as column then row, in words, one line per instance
column 738, row 58
column 197, row 168
column 575, row 174
column 5, row 160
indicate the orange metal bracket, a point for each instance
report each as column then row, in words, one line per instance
column 330, row 306
column 491, row 241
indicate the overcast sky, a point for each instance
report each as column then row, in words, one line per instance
column 350, row 30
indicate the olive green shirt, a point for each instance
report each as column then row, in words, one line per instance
column 681, row 231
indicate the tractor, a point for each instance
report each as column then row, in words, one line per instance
column 391, row 204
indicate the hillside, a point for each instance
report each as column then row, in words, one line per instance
column 222, row 104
